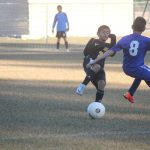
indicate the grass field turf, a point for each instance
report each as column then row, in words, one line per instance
column 40, row 111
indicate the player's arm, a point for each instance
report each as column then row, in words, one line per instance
column 117, row 47
column 113, row 42
column 100, row 57
column 67, row 22
column 54, row 23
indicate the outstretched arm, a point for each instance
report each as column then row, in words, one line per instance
column 100, row 57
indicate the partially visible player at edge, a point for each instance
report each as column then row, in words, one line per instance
column 134, row 48
column 62, row 22
column 96, row 74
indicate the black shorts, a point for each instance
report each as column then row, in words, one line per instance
column 60, row 34
column 99, row 76
column 95, row 76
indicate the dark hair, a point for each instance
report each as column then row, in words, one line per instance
column 139, row 24
column 102, row 27
column 59, row 6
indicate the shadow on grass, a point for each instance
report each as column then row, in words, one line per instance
column 46, row 107
column 51, row 110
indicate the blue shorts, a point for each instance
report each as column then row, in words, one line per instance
column 141, row 72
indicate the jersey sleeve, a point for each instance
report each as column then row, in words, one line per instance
column 118, row 46
column 54, row 22
column 67, row 21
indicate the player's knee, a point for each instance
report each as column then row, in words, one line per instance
column 101, row 84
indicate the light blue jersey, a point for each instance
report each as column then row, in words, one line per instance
column 62, row 21
column 134, row 48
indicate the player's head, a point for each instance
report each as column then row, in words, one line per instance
column 139, row 24
column 59, row 8
column 103, row 32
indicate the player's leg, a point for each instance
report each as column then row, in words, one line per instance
column 129, row 95
column 65, row 41
column 58, row 43
column 141, row 73
column 58, row 35
column 100, row 90
column 100, row 83
column 81, row 88
column 146, row 73
column 89, row 76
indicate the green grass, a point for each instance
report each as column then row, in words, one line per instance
column 39, row 110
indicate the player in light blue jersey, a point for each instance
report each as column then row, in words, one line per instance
column 62, row 22
column 134, row 48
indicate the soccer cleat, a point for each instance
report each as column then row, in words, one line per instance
column 80, row 89
column 129, row 97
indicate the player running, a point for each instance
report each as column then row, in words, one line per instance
column 96, row 74
column 134, row 48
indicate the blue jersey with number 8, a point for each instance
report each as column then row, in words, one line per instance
column 134, row 48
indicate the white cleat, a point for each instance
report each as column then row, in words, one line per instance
column 80, row 89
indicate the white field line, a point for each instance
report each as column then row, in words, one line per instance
column 82, row 134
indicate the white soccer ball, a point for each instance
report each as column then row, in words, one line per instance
column 96, row 110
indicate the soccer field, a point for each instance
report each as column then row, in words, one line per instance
column 40, row 111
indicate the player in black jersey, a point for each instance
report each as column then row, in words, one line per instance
column 96, row 74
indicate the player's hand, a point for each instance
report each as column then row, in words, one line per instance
column 67, row 29
column 52, row 30
column 88, row 66
column 90, row 63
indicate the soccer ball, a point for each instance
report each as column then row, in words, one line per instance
column 96, row 110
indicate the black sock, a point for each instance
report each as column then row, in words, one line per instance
column 66, row 45
column 99, row 95
column 57, row 45
column 86, row 80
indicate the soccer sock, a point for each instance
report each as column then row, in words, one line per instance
column 134, row 86
column 57, row 45
column 66, row 45
column 86, row 80
column 99, row 95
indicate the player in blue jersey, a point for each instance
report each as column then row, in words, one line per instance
column 134, row 48
column 62, row 22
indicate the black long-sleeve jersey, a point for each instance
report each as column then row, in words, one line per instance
column 96, row 47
